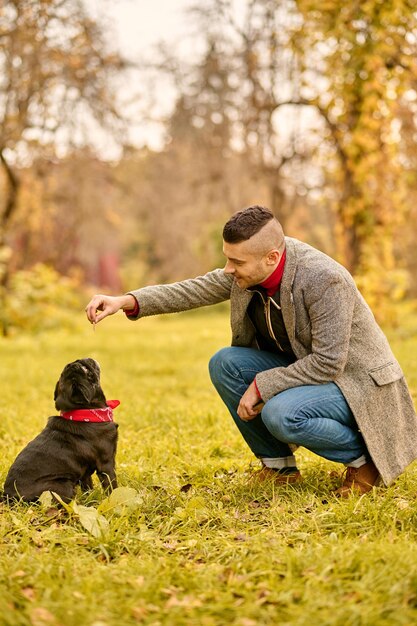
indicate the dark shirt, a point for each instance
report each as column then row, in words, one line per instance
column 266, row 316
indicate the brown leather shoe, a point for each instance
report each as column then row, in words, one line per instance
column 266, row 474
column 359, row 479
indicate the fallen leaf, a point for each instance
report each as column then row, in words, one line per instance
column 139, row 581
column 37, row 539
column 402, row 504
column 186, row 601
column 78, row 595
column 90, row 518
column 139, row 613
column 46, row 498
column 67, row 506
column 28, row 593
column 53, row 512
column 42, row 617
column 120, row 500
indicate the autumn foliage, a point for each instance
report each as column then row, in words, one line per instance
column 306, row 107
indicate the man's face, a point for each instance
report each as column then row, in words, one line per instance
column 246, row 265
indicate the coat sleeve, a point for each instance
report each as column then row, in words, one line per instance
column 193, row 293
column 330, row 309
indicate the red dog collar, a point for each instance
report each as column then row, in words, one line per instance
column 92, row 415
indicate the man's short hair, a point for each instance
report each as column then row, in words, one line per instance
column 246, row 223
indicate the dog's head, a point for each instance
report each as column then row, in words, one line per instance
column 79, row 387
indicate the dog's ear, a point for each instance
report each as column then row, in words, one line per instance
column 56, row 391
column 73, row 393
column 61, row 397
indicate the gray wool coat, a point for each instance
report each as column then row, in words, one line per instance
column 334, row 336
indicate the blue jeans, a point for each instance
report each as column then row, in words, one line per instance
column 316, row 417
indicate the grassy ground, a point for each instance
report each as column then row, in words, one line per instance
column 199, row 545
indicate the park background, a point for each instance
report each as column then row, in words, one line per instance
column 120, row 161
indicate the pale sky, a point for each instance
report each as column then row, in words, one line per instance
column 137, row 26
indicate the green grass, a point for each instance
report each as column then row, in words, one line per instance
column 202, row 546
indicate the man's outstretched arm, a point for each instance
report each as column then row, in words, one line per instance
column 212, row 288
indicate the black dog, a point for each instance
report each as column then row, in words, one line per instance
column 72, row 446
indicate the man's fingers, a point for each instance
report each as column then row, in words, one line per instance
column 91, row 313
column 96, row 304
column 101, row 306
column 247, row 413
column 99, row 317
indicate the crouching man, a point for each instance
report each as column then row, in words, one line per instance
column 308, row 365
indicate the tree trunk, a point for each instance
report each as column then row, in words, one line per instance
column 10, row 205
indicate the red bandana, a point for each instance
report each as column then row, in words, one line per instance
column 92, row 415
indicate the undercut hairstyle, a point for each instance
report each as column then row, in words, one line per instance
column 246, row 223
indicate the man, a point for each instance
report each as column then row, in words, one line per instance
column 308, row 365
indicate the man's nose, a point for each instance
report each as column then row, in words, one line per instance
column 229, row 269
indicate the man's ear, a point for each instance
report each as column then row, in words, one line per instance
column 273, row 257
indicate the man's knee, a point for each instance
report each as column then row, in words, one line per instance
column 280, row 421
column 219, row 364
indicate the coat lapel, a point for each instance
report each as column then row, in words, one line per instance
column 287, row 302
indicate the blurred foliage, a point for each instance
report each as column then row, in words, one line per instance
column 384, row 295
column 55, row 70
column 40, row 299
column 308, row 108
column 368, row 51
column 56, row 67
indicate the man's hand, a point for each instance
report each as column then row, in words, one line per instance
column 250, row 404
column 108, row 305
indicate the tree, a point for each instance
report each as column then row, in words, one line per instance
column 262, row 67
column 366, row 55
column 75, row 228
column 55, row 86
